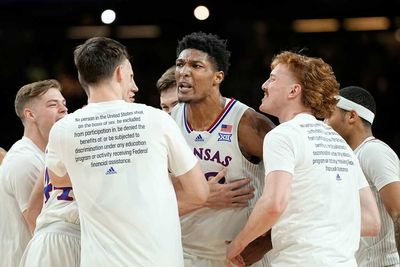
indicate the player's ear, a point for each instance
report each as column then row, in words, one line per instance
column 219, row 77
column 118, row 72
column 353, row 116
column 28, row 113
column 295, row 90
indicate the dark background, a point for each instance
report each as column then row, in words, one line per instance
column 34, row 45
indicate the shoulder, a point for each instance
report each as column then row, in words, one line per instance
column 377, row 155
column 252, row 129
column 376, row 149
column 255, row 121
column 28, row 158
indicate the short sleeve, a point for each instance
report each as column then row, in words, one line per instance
column 23, row 175
column 180, row 156
column 279, row 151
column 379, row 164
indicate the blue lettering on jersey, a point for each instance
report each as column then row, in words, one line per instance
column 46, row 191
column 64, row 195
column 208, row 175
column 207, row 154
column 224, row 137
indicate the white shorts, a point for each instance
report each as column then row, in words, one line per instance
column 55, row 245
column 195, row 261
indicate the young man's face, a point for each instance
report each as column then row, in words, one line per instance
column 129, row 83
column 276, row 90
column 195, row 75
column 47, row 109
column 338, row 122
column 169, row 98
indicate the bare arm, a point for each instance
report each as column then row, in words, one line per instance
column 35, row 204
column 221, row 195
column 193, row 188
column 370, row 219
column 60, row 181
column 390, row 195
column 253, row 127
column 265, row 214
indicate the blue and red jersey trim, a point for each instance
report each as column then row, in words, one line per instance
column 217, row 121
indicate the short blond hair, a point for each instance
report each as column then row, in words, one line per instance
column 166, row 80
column 31, row 91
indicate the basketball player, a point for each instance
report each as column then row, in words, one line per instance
column 56, row 241
column 39, row 105
column 223, row 133
column 352, row 119
column 117, row 155
column 313, row 183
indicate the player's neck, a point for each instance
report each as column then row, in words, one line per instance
column 201, row 115
column 106, row 91
column 359, row 136
column 36, row 137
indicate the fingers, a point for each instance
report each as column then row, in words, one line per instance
column 243, row 199
column 243, row 191
column 238, row 184
column 221, row 174
column 235, row 262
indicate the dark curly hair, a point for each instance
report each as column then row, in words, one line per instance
column 209, row 43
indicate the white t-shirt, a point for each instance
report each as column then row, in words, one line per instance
column 321, row 224
column 117, row 155
column 381, row 167
column 18, row 173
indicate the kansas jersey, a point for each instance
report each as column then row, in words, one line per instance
column 381, row 166
column 204, row 231
column 59, row 206
column 56, row 241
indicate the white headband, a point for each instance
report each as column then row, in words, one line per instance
column 349, row 105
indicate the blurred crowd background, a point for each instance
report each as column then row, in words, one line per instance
column 37, row 39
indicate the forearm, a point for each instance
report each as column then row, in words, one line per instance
column 370, row 218
column 184, row 205
column 35, row 204
column 185, row 208
column 260, row 221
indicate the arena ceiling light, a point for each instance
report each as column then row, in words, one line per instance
column 366, row 24
column 108, row 16
column 316, row 25
column 201, row 13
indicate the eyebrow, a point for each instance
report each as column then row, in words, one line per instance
column 56, row 100
column 190, row 61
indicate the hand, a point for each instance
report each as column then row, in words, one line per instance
column 234, row 194
column 233, row 257
column 256, row 250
